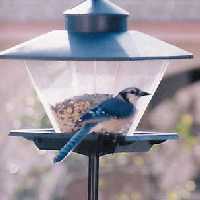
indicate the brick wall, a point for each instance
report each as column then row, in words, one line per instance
column 23, row 10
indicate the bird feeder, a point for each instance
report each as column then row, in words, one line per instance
column 93, row 59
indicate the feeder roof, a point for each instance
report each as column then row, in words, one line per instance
column 63, row 45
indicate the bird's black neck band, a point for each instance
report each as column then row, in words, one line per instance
column 124, row 96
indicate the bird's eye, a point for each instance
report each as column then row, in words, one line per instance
column 136, row 92
column 133, row 92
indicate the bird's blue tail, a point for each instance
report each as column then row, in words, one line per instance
column 74, row 141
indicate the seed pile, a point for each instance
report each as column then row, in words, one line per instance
column 68, row 112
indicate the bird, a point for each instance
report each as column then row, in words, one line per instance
column 114, row 110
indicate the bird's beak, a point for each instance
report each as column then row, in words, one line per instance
column 144, row 94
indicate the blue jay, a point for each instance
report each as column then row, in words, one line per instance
column 107, row 114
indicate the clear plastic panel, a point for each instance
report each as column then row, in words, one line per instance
column 67, row 89
column 145, row 75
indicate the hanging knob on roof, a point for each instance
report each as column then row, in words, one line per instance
column 96, row 16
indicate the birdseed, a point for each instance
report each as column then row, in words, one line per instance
column 67, row 113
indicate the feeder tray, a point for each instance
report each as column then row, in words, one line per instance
column 95, row 144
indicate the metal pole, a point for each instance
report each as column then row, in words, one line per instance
column 93, row 177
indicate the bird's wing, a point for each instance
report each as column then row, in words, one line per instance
column 74, row 141
column 111, row 108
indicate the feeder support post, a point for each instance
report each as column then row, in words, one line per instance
column 93, row 177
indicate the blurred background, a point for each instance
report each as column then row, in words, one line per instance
column 170, row 171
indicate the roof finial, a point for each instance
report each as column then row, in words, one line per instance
column 96, row 16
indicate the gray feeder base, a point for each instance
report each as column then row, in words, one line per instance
column 94, row 146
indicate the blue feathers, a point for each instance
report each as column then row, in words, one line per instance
column 111, row 108
column 73, row 142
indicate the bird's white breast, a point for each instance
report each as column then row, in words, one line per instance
column 114, row 126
